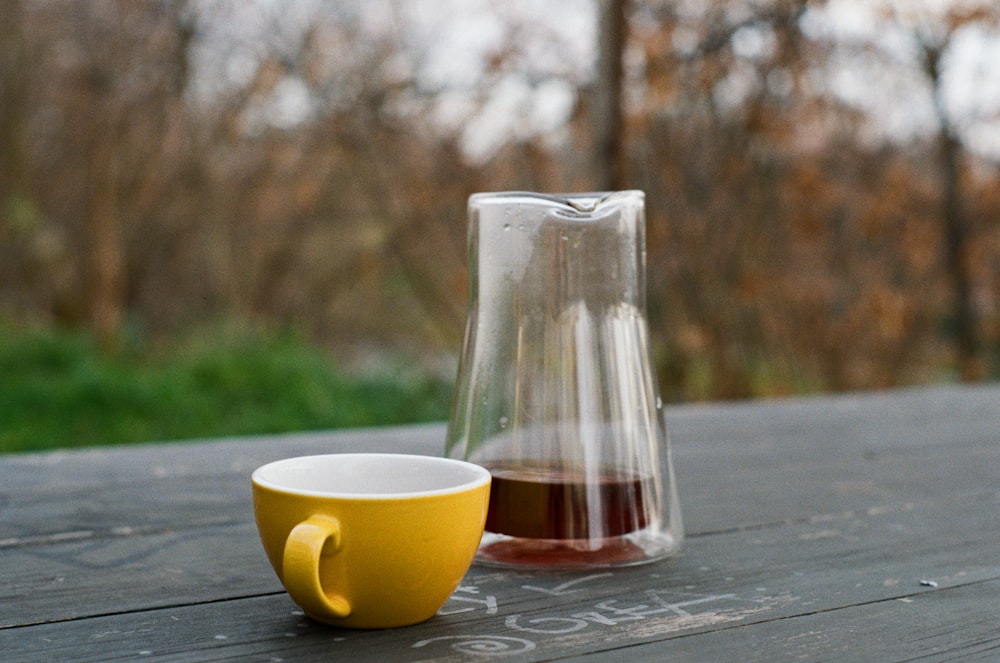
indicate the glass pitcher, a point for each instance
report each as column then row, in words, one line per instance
column 556, row 393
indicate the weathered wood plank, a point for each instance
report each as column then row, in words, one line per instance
column 769, row 487
column 61, row 580
column 955, row 624
column 722, row 581
column 99, row 466
column 157, row 486
column 798, row 510
column 737, row 465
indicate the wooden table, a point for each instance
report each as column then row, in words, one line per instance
column 848, row 528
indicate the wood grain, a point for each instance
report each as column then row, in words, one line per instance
column 860, row 527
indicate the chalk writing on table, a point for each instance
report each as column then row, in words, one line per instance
column 609, row 613
column 649, row 613
column 484, row 645
column 462, row 597
column 566, row 587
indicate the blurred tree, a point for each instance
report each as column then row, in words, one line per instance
column 102, row 115
column 307, row 164
column 13, row 100
column 934, row 41
column 608, row 160
column 923, row 42
column 708, row 144
column 18, row 208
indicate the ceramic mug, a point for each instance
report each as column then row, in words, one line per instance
column 370, row 540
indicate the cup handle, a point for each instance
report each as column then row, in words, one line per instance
column 317, row 536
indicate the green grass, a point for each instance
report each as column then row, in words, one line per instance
column 58, row 390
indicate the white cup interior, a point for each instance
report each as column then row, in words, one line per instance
column 370, row 475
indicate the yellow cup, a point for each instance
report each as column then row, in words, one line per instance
column 370, row 540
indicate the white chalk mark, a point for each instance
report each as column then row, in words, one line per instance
column 490, row 602
column 483, row 645
column 678, row 608
column 564, row 588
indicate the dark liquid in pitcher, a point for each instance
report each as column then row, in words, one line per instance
column 544, row 503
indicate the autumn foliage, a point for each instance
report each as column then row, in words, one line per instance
column 791, row 248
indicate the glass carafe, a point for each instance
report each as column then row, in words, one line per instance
column 556, row 393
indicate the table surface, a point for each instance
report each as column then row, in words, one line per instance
column 860, row 527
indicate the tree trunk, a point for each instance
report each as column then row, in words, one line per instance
column 13, row 91
column 107, row 251
column 956, row 227
column 609, row 166
column 956, row 260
